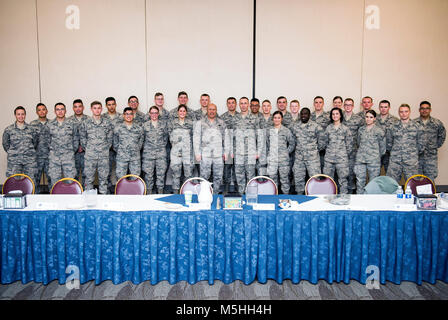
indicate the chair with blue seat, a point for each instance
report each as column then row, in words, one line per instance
column 18, row 181
column 67, row 186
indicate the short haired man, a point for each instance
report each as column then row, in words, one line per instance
column 294, row 108
column 353, row 122
column 282, row 104
column 385, row 120
column 159, row 101
column 406, row 142
column 43, row 147
column 322, row 118
column 96, row 134
column 127, row 143
column 182, row 99
column 434, row 135
column 20, row 141
column 78, row 118
column 255, row 107
column 64, row 142
column 139, row 116
column 114, row 117
column 204, row 101
column 229, row 119
column 366, row 104
column 211, row 146
column 264, row 123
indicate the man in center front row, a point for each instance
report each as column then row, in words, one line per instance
column 211, row 146
column 96, row 134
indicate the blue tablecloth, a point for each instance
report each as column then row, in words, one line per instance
column 223, row 245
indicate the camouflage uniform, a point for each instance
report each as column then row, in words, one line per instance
column 280, row 144
column 245, row 148
column 64, row 141
column 79, row 156
column 181, row 138
column 190, row 114
column 229, row 167
column 111, row 177
column 406, row 142
column 200, row 114
column 353, row 123
column 323, row 120
column 371, row 146
column 308, row 137
column 128, row 142
column 96, row 137
column 154, row 157
column 211, row 141
column 338, row 142
column 287, row 119
column 21, row 145
column 42, row 152
column 385, row 124
column 140, row 118
column 262, row 162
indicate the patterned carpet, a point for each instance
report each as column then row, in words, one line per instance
column 220, row 291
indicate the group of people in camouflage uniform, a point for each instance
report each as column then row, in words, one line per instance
column 232, row 148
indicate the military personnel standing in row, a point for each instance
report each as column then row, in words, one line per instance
column 308, row 137
column 204, row 101
column 154, row 156
column 353, row 122
column 371, row 144
column 96, row 135
column 43, row 147
column 181, row 138
column 139, row 116
column 385, row 121
column 114, row 117
column 263, row 125
column 338, row 142
column 128, row 141
column 78, row 118
column 434, row 135
column 245, row 142
column 322, row 118
column 211, row 146
column 280, row 144
column 229, row 119
column 20, row 141
column 64, row 142
column 406, row 141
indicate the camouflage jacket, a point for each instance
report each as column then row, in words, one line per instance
column 354, row 123
column 338, row 142
column 245, row 135
column 210, row 139
column 309, row 140
column 64, row 138
column 434, row 134
column 156, row 140
column 371, row 144
column 96, row 138
column 128, row 142
column 20, row 143
column 405, row 141
column 43, row 147
column 323, row 120
column 181, row 138
column 280, row 144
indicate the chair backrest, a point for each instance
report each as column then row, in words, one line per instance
column 381, row 185
column 265, row 185
column 320, row 184
column 419, row 180
column 66, row 186
column 190, row 185
column 20, row 182
column 130, row 184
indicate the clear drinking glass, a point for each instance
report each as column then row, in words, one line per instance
column 90, row 198
column 252, row 195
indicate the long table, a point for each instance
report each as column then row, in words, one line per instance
column 140, row 238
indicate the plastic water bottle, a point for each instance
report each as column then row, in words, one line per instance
column 400, row 195
column 408, row 196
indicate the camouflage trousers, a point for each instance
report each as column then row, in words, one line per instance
column 281, row 170
column 215, row 164
column 300, row 168
column 157, row 166
column 100, row 166
column 79, row 165
column 176, row 170
column 351, row 171
column 123, row 166
column 42, row 168
column 398, row 167
column 361, row 170
column 112, row 176
column 385, row 160
column 27, row 167
column 243, row 173
column 61, row 168
column 428, row 165
column 229, row 174
column 342, row 171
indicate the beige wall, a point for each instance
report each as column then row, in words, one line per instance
column 304, row 48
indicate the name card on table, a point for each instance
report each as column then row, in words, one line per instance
column 199, row 206
column 264, row 206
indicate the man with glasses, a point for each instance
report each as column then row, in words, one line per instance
column 434, row 134
column 64, row 142
column 127, row 142
column 139, row 117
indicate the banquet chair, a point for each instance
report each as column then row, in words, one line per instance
column 130, row 184
column 265, row 185
column 67, row 186
column 381, row 185
column 320, row 184
column 419, row 180
column 190, row 185
column 20, row 182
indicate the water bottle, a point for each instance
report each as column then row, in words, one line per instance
column 408, row 196
column 399, row 195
